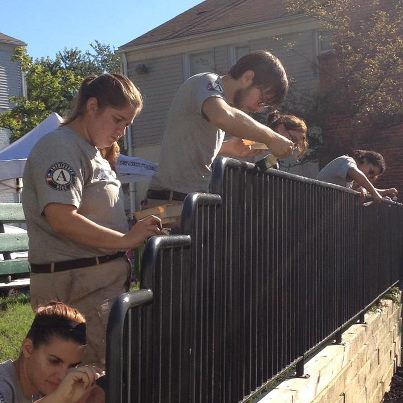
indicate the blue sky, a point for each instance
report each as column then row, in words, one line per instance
column 48, row 26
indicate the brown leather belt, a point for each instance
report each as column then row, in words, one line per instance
column 73, row 264
column 165, row 195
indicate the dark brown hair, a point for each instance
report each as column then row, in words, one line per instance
column 59, row 320
column 114, row 90
column 371, row 157
column 290, row 122
column 268, row 70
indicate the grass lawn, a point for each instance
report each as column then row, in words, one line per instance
column 16, row 316
column 15, row 319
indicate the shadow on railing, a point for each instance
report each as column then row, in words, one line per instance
column 271, row 267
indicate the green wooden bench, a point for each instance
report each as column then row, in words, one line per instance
column 13, row 270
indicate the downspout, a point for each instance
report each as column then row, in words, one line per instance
column 132, row 186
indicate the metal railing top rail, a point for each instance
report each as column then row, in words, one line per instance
column 154, row 246
column 191, row 203
column 222, row 163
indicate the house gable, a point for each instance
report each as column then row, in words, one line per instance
column 213, row 15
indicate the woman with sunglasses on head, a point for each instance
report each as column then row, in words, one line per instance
column 291, row 127
column 48, row 369
column 77, row 226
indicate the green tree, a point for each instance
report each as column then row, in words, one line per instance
column 51, row 84
column 368, row 48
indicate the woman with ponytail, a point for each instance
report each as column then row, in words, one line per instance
column 358, row 170
column 77, row 227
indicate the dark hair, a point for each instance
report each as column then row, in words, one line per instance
column 114, row 90
column 60, row 320
column 290, row 122
column 371, row 157
column 268, row 70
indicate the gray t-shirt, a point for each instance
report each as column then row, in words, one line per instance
column 10, row 387
column 190, row 142
column 336, row 171
column 64, row 168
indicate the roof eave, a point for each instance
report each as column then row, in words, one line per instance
column 171, row 42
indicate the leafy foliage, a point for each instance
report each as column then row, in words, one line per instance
column 366, row 38
column 52, row 84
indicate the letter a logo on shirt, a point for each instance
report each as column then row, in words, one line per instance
column 216, row 86
column 60, row 176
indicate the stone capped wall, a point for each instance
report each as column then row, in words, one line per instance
column 358, row 371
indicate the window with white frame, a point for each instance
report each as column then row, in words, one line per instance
column 241, row 51
column 201, row 62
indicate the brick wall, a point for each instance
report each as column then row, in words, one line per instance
column 358, row 371
column 389, row 142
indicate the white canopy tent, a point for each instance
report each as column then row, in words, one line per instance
column 14, row 156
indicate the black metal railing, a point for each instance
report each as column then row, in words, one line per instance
column 270, row 267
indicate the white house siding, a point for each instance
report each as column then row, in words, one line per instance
column 10, row 77
column 158, row 87
column 221, row 61
column 10, row 85
column 4, row 138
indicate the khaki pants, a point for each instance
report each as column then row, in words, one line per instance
column 92, row 291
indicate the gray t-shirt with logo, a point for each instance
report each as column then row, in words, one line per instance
column 10, row 387
column 336, row 171
column 190, row 142
column 64, row 168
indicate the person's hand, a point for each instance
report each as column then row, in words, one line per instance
column 280, row 146
column 363, row 193
column 391, row 192
column 376, row 197
column 240, row 148
column 142, row 230
column 77, row 382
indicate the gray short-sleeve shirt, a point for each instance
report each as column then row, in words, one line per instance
column 336, row 171
column 190, row 142
column 10, row 387
column 64, row 168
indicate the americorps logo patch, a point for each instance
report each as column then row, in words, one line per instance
column 60, row 176
column 216, row 86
